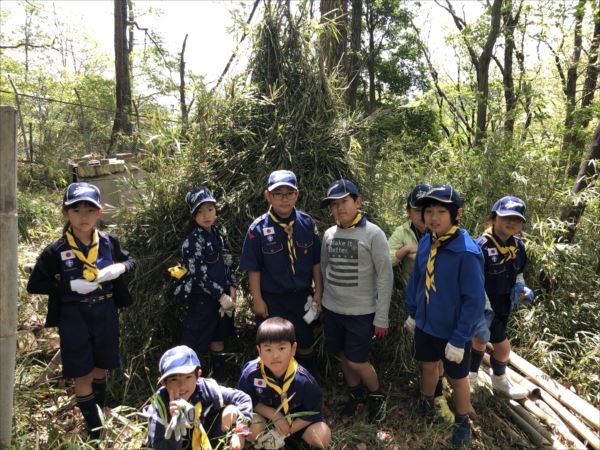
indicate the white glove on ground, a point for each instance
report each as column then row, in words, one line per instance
column 227, row 305
column 454, row 354
column 82, row 286
column 111, row 272
column 409, row 325
column 271, row 440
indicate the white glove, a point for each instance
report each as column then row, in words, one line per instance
column 271, row 440
column 454, row 354
column 111, row 272
column 227, row 305
column 82, row 286
column 309, row 303
column 182, row 419
column 409, row 325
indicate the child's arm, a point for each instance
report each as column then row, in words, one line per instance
column 121, row 255
column 385, row 281
column 318, row 281
column 230, row 266
column 259, row 307
column 472, row 293
column 45, row 277
column 398, row 247
column 198, row 270
column 159, row 419
column 275, row 416
column 410, row 299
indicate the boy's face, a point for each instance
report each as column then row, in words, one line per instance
column 414, row 215
column 181, row 385
column 344, row 210
column 507, row 226
column 438, row 219
column 282, row 200
column 277, row 355
column 83, row 216
column 206, row 214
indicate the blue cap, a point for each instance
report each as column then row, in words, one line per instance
column 339, row 189
column 282, row 178
column 196, row 197
column 509, row 206
column 418, row 191
column 180, row 359
column 82, row 192
column 443, row 193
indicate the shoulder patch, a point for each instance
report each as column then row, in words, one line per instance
column 481, row 240
column 257, row 221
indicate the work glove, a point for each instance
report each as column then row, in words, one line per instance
column 177, row 271
column 270, row 440
column 521, row 294
column 111, row 272
column 454, row 354
column 312, row 310
column 83, row 287
column 409, row 325
column 181, row 420
column 227, row 305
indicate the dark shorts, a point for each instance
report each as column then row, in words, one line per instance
column 352, row 335
column 203, row 324
column 502, row 307
column 89, row 337
column 428, row 348
column 291, row 307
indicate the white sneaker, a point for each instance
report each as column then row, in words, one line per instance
column 503, row 385
column 473, row 381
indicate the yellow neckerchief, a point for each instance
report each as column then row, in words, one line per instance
column 436, row 241
column 199, row 437
column 508, row 252
column 288, row 378
column 289, row 230
column 90, row 271
column 354, row 223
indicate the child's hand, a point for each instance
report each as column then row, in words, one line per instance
column 233, row 294
column 259, row 307
column 83, row 287
column 409, row 325
column 111, row 272
column 380, row 332
column 411, row 248
column 236, row 442
column 281, row 425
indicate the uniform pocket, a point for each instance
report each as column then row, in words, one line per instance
column 272, row 248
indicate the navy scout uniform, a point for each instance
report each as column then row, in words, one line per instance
column 284, row 290
column 210, row 273
column 88, row 324
column 500, row 277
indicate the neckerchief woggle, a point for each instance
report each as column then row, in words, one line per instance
column 436, row 242
column 288, row 378
column 508, row 252
column 354, row 223
column 90, row 271
column 289, row 230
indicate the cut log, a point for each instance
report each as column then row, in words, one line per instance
column 561, row 428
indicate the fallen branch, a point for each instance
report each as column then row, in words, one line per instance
column 49, row 371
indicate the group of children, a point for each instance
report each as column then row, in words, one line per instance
column 294, row 277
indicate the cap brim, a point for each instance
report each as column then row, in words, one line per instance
column 508, row 213
column 77, row 200
column 206, row 200
column 282, row 183
column 325, row 202
column 177, row 371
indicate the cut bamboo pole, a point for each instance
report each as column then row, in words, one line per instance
column 561, row 427
column 590, row 414
column 534, row 423
column 509, row 430
column 535, row 437
column 548, row 419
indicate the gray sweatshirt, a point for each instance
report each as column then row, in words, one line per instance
column 357, row 272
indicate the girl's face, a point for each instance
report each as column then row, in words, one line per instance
column 507, row 226
column 344, row 210
column 83, row 217
column 282, row 200
column 206, row 215
column 414, row 214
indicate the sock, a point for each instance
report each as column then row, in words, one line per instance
column 357, row 391
column 439, row 388
column 476, row 358
column 99, row 387
column 217, row 360
column 499, row 368
column 309, row 362
column 88, row 406
column 459, row 419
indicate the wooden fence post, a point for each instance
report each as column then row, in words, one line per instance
column 8, row 268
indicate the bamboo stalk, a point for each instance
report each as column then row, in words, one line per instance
column 508, row 429
column 535, row 437
column 590, row 414
column 534, row 423
column 561, row 427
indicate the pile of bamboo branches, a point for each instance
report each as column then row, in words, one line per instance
column 552, row 416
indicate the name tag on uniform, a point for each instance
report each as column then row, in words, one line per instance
column 259, row 382
column 268, row 230
column 67, row 254
column 492, row 251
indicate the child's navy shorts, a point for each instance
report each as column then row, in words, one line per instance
column 428, row 348
column 291, row 307
column 89, row 337
column 203, row 324
column 502, row 307
column 352, row 335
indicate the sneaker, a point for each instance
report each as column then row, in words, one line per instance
column 355, row 397
column 425, row 407
column 462, row 433
column 473, row 381
column 502, row 385
column 375, row 407
column 442, row 410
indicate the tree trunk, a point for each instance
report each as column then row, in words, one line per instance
column 182, row 103
column 354, row 63
column 334, row 39
column 122, row 123
column 510, row 99
column 371, row 57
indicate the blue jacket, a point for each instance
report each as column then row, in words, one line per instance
column 456, row 306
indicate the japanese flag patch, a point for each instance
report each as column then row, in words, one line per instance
column 259, row 382
column 268, row 230
column 67, row 254
column 492, row 251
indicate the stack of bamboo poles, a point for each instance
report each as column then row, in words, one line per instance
column 551, row 416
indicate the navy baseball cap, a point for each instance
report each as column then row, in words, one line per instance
column 418, row 191
column 509, row 206
column 196, row 197
column 177, row 360
column 282, row 178
column 339, row 189
column 443, row 193
column 82, row 192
